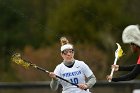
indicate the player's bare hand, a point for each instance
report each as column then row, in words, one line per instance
column 83, row 86
column 52, row 75
column 116, row 67
column 109, row 78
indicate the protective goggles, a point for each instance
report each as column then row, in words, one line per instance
column 65, row 52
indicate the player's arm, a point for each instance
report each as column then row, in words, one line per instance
column 55, row 81
column 91, row 80
column 54, row 84
column 128, row 76
column 127, row 68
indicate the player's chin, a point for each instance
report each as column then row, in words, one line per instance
column 69, row 59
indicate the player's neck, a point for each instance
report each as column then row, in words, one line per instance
column 68, row 63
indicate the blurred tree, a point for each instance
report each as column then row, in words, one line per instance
column 21, row 23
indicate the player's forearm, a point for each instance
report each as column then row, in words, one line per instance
column 127, row 68
column 54, row 84
column 124, row 78
column 128, row 76
column 91, row 81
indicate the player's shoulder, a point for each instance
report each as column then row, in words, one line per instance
column 59, row 65
column 79, row 62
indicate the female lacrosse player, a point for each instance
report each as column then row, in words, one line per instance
column 131, row 35
column 72, row 70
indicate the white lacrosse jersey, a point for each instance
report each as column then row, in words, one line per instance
column 75, row 74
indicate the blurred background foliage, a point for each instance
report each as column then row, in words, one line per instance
column 34, row 27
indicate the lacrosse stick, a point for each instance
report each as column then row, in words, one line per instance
column 18, row 60
column 118, row 54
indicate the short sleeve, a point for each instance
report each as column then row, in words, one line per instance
column 57, row 70
column 86, row 70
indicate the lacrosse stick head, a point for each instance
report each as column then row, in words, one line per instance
column 18, row 60
column 119, row 51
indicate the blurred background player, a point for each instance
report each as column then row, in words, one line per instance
column 130, row 35
column 73, row 70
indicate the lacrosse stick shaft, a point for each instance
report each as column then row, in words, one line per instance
column 44, row 70
column 39, row 68
column 18, row 59
column 66, row 81
column 112, row 71
column 113, row 68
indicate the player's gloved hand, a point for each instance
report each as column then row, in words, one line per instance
column 83, row 86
